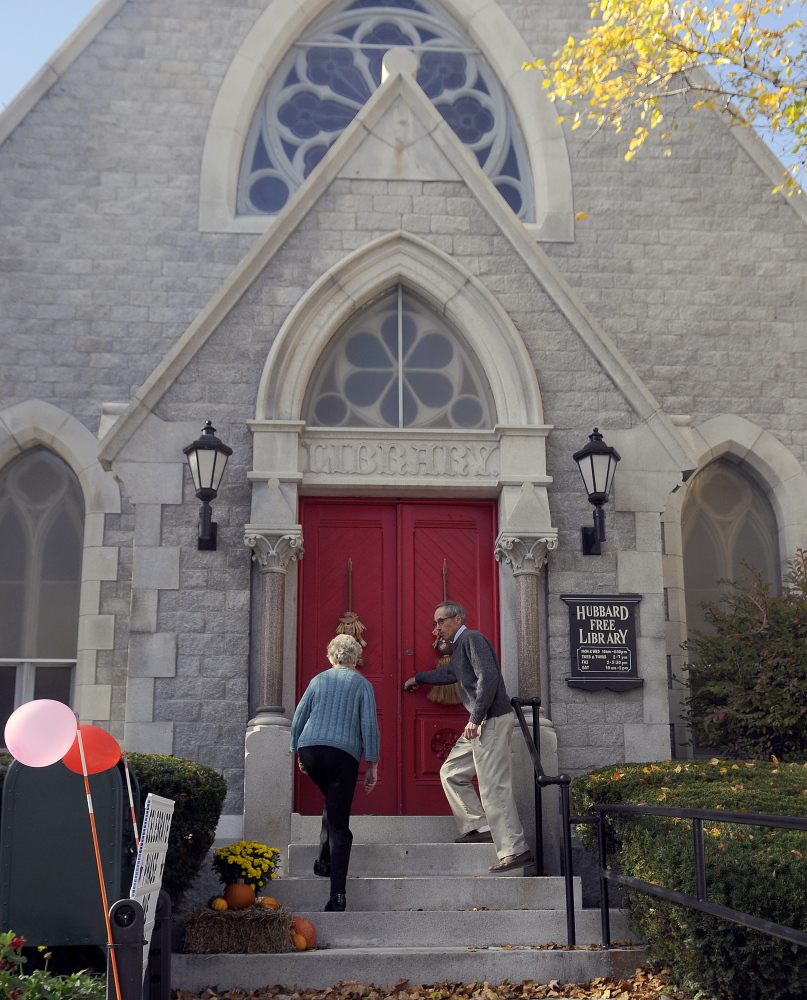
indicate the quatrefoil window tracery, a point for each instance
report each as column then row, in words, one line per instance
column 358, row 383
column 331, row 72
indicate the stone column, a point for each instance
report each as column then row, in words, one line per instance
column 527, row 556
column 273, row 551
column 267, row 762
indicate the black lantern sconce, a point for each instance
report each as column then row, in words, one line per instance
column 597, row 463
column 207, row 457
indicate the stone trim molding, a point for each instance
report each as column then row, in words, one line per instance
column 35, row 422
column 275, row 32
column 274, row 548
column 447, row 287
column 58, row 64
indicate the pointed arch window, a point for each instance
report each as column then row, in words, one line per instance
column 334, row 67
column 41, row 540
column 726, row 521
column 396, row 364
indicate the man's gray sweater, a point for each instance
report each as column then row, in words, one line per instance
column 475, row 667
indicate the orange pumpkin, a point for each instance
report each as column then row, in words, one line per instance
column 239, row 896
column 298, row 941
column 299, row 925
column 269, row 902
column 217, row 903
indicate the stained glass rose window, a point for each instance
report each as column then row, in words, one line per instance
column 332, row 70
column 396, row 364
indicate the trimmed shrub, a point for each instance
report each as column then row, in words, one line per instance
column 760, row 871
column 748, row 676
column 198, row 793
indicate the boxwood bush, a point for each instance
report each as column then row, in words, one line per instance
column 756, row 870
column 198, row 793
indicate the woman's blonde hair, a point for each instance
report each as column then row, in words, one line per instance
column 343, row 649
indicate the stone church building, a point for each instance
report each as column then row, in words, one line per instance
column 354, row 236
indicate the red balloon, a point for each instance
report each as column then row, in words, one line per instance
column 101, row 751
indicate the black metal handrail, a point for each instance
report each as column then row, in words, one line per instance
column 698, row 902
column 543, row 780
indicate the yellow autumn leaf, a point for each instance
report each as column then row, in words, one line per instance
column 634, row 55
column 579, row 216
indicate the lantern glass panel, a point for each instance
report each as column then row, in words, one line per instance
column 206, row 457
column 220, row 462
column 587, row 472
column 194, row 464
column 602, row 472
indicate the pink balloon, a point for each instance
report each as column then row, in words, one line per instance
column 40, row 732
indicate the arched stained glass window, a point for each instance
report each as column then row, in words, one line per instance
column 41, row 541
column 726, row 521
column 358, row 383
column 332, row 70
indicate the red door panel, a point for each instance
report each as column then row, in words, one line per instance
column 367, row 535
column 397, row 550
column 462, row 535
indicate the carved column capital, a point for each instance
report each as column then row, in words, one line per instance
column 274, row 548
column 525, row 554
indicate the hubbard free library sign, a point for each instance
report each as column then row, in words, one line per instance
column 602, row 641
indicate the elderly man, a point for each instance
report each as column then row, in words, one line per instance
column 484, row 747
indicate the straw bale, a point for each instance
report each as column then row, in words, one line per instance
column 239, row 932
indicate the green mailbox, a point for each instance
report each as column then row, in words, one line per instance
column 49, row 891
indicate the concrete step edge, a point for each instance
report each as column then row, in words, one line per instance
column 319, row 969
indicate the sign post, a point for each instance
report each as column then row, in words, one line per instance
column 602, row 641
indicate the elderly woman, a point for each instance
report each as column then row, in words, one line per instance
column 335, row 721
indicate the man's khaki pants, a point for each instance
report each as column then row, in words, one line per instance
column 487, row 757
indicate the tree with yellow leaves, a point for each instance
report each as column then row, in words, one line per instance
column 645, row 59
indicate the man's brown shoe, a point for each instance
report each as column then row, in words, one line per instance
column 475, row 837
column 514, row 861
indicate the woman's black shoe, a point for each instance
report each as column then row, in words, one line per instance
column 321, row 869
column 336, row 904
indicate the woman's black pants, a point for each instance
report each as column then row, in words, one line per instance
column 334, row 772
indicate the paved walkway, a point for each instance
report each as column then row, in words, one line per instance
column 643, row 985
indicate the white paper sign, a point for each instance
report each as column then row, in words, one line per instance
column 148, row 874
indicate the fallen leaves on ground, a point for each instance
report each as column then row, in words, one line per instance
column 644, row 984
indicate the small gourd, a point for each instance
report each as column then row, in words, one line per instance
column 239, row 896
column 218, row 903
column 299, row 925
column 299, row 941
column 269, row 903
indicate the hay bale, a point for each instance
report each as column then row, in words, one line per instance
column 253, row 931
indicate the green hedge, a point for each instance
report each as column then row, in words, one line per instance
column 198, row 793
column 756, row 870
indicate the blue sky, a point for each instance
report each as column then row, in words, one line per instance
column 32, row 31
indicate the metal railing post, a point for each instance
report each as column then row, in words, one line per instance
column 605, row 913
column 537, row 768
column 565, row 781
column 700, row 860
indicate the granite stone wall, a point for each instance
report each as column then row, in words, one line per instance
column 689, row 263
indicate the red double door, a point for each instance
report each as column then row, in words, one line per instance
column 400, row 552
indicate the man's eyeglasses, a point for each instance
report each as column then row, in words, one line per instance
column 439, row 621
